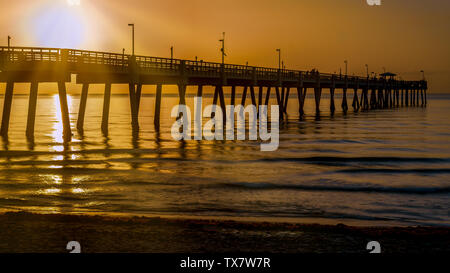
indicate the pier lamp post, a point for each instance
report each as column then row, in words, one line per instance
column 9, row 42
column 423, row 75
column 279, row 58
column 346, row 67
column 223, row 47
column 123, row 57
column 367, row 70
column 132, row 36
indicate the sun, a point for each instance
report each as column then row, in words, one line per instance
column 73, row 2
column 59, row 25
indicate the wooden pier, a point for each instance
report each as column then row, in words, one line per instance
column 38, row 65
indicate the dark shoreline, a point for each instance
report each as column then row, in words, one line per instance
column 49, row 233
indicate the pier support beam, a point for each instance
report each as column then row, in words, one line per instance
column 32, row 109
column 402, row 102
column 252, row 95
column 216, row 95
column 300, row 101
column 260, row 96
column 138, row 96
column 418, row 96
column 106, row 104
column 332, row 106
column 133, row 106
column 406, row 97
column 67, row 132
column 355, row 103
column 365, row 99
column 279, row 102
column 7, row 102
column 373, row 98
column 286, row 99
column 82, row 108
column 317, row 96
column 266, row 102
column 233, row 95
column 199, row 90
column 156, row 118
column 222, row 104
column 344, row 104
column 244, row 95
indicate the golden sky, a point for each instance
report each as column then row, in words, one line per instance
column 405, row 36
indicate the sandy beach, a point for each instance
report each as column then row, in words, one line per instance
column 26, row 232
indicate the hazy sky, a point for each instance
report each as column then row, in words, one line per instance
column 404, row 36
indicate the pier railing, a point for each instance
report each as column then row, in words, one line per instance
column 75, row 58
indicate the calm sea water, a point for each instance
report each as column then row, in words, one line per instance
column 388, row 167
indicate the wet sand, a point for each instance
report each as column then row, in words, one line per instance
column 26, row 232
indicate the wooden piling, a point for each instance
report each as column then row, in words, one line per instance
column 406, row 97
column 7, row 103
column 332, row 106
column 344, row 104
column 199, row 91
column 67, row 132
column 355, row 103
column 300, row 100
column 266, row 102
column 82, row 107
column 317, row 96
column 216, row 95
column 156, row 118
column 222, row 104
column 260, row 95
column 133, row 106
column 244, row 95
column 106, row 104
column 233, row 95
column 138, row 96
column 417, row 96
column 286, row 99
column 32, row 109
column 282, row 96
column 280, row 104
column 252, row 95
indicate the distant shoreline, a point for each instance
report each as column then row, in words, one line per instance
column 29, row 232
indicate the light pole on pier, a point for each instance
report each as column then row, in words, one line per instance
column 367, row 70
column 123, row 57
column 346, row 67
column 279, row 58
column 171, row 52
column 132, row 36
column 223, row 47
column 9, row 42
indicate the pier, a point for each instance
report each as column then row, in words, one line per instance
column 38, row 65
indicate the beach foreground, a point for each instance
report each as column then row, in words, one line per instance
column 26, row 232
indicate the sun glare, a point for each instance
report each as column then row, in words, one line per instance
column 59, row 25
column 73, row 2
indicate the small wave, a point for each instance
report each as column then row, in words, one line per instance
column 403, row 190
column 385, row 170
column 332, row 159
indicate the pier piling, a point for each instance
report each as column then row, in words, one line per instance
column 67, row 132
column 32, row 109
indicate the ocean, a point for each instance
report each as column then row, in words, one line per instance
column 383, row 167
